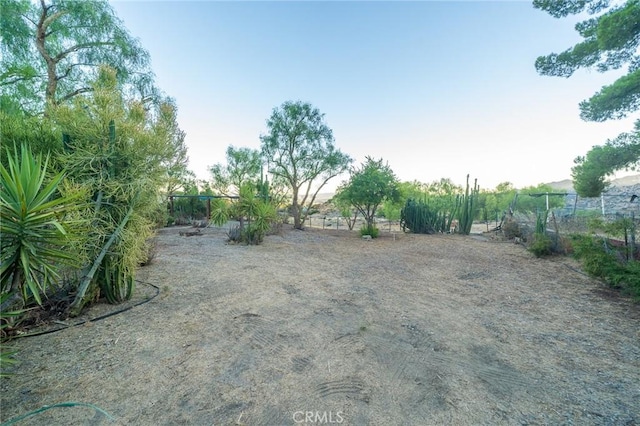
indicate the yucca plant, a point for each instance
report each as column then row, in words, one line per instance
column 32, row 228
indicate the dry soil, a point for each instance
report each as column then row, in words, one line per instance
column 322, row 326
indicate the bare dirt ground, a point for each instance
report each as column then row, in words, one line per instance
column 322, row 326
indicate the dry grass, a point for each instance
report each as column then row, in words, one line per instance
column 405, row 329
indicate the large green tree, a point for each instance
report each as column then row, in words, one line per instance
column 300, row 150
column 370, row 186
column 52, row 51
column 590, row 172
column 244, row 165
column 611, row 40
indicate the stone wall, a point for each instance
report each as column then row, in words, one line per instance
column 616, row 199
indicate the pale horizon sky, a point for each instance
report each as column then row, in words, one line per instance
column 436, row 89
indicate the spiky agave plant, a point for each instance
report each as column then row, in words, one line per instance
column 32, row 228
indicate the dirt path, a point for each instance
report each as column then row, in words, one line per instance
column 321, row 326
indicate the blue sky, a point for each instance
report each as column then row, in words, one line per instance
column 437, row 89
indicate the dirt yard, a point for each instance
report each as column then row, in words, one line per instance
column 324, row 327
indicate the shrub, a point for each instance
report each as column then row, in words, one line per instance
column 34, row 234
column 602, row 262
column 369, row 230
column 511, row 229
column 541, row 245
column 253, row 234
column 234, row 234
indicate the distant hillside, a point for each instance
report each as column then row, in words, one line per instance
column 567, row 185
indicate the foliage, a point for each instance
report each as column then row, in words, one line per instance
column 7, row 318
column 368, row 187
column 442, row 187
column 175, row 163
column 611, row 39
column 600, row 261
column 190, row 207
column 219, row 212
column 52, row 51
column 541, row 221
column 299, row 149
column 468, row 206
column 119, row 151
column 590, row 172
column 370, row 230
column 440, row 192
column 622, row 227
column 234, row 234
column 349, row 214
column 541, row 245
column 533, row 199
column 33, row 229
column 259, row 213
column 244, row 165
column 495, row 203
column 38, row 134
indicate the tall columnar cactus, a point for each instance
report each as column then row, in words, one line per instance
column 421, row 218
column 467, row 207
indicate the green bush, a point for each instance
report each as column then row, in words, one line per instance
column 369, row 230
column 541, row 245
column 602, row 262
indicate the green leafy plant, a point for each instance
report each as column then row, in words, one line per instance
column 32, row 226
column 369, row 230
column 601, row 261
column 541, row 245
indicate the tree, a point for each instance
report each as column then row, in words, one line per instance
column 244, row 165
column 52, row 51
column 175, row 160
column 368, row 187
column 611, row 40
column 590, row 171
column 300, row 150
column 443, row 187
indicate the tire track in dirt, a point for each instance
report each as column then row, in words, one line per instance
column 352, row 386
column 262, row 330
column 404, row 365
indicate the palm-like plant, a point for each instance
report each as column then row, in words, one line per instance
column 33, row 237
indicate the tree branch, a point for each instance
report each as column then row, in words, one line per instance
column 75, row 93
column 80, row 46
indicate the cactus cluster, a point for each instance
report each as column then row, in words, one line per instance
column 422, row 217
column 466, row 206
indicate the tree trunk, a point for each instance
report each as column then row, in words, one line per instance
column 41, row 36
column 295, row 210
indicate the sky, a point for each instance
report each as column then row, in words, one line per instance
column 437, row 89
